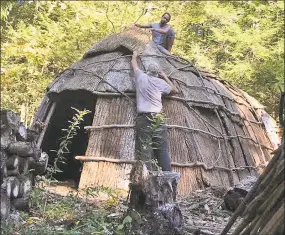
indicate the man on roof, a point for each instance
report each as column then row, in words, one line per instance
column 162, row 33
column 151, row 136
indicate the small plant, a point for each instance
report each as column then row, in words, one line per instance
column 125, row 225
column 66, row 140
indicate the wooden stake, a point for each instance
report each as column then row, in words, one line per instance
column 46, row 123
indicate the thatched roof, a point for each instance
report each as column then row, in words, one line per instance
column 212, row 124
column 110, row 60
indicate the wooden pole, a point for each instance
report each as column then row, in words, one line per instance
column 42, row 135
column 192, row 164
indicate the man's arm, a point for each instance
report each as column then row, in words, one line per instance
column 169, row 44
column 162, row 31
column 144, row 26
column 134, row 62
column 165, row 78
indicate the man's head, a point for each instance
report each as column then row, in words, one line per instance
column 165, row 18
column 152, row 70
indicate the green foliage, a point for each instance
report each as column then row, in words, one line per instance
column 242, row 40
column 113, row 194
column 65, row 141
column 126, row 223
column 77, row 216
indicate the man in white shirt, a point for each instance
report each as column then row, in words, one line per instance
column 149, row 88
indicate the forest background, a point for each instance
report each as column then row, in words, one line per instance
column 243, row 41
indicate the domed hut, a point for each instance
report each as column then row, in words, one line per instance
column 215, row 136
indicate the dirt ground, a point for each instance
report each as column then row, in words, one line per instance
column 203, row 213
column 202, row 210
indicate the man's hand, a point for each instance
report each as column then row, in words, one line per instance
column 134, row 60
column 162, row 74
column 135, row 54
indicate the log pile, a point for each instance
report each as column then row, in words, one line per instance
column 262, row 210
column 21, row 160
column 153, row 197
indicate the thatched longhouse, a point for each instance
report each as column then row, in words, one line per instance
column 216, row 138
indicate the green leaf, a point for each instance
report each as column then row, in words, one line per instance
column 128, row 219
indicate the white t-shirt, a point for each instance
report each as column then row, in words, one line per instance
column 148, row 92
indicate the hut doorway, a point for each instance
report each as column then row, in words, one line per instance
column 80, row 99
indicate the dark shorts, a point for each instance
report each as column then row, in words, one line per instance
column 171, row 33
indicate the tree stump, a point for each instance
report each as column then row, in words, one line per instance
column 153, row 196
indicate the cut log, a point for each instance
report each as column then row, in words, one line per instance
column 22, row 203
column 4, row 185
column 13, row 186
column 25, row 186
column 39, row 167
column 7, row 137
column 232, row 199
column 235, row 196
column 12, row 162
column 21, row 134
column 3, row 173
column 9, row 120
column 22, row 149
column 5, row 205
column 3, row 156
column 13, row 172
column 3, row 168
column 23, row 165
